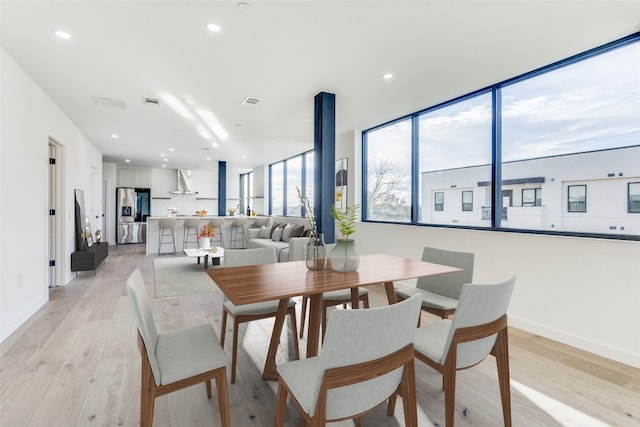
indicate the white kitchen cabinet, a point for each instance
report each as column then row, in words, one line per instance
column 138, row 178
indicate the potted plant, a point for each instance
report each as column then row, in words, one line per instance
column 204, row 236
column 344, row 256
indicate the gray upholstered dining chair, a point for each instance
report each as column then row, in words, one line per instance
column 478, row 329
column 175, row 360
column 367, row 357
column 248, row 312
column 440, row 293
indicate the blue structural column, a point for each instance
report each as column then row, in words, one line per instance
column 222, row 188
column 325, row 162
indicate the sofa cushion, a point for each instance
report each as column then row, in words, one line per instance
column 274, row 226
column 276, row 236
column 297, row 231
column 264, row 233
column 286, row 232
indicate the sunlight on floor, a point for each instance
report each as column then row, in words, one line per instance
column 564, row 414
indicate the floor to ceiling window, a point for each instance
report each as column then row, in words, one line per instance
column 285, row 177
column 555, row 150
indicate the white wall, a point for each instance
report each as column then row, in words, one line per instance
column 29, row 118
column 580, row 291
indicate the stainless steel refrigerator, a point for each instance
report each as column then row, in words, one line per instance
column 132, row 210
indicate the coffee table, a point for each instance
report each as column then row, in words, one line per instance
column 214, row 253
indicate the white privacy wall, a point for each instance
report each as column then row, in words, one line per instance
column 580, row 291
column 29, row 118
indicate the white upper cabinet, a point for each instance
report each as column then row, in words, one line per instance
column 139, row 178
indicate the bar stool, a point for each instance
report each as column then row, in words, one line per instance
column 191, row 230
column 217, row 224
column 237, row 233
column 166, row 235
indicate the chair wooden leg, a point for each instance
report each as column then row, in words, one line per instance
column 365, row 301
column 223, row 397
column 294, row 332
column 208, row 384
column 281, row 406
column 147, row 394
column 303, row 316
column 223, row 327
column 409, row 403
column 358, row 421
column 449, row 386
column 324, row 320
column 234, row 351
column 392, row 404
column 502, row 360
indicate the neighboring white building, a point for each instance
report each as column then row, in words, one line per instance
column 604, row 187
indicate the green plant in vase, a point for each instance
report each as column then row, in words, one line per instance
column 344, row 256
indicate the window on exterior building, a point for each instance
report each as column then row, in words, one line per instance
column 438, row 201
column 633, row 197
column 531, row 197
column 577, row 198
column 568, row 122
column 467, row 201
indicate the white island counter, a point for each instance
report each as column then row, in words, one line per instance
column 153, row 230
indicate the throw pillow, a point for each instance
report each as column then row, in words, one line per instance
column 297, row 231
column 274, row 226
column 276, row 236
column 286, row 232
column 264, row 232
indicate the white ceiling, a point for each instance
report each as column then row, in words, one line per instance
column 283, row 53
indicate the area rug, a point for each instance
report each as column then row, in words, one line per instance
column 180, row 276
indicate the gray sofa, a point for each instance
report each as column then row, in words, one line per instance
column 291, row 250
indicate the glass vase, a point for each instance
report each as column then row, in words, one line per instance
column 316, row 253
column 344, row 256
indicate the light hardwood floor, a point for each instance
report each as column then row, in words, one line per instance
column 75, row 363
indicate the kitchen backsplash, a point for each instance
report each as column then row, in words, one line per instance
column 186, row 205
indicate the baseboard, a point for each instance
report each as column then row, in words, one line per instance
column 7, row 329
column 616, row 354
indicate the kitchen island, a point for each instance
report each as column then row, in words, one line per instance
column 153, row 230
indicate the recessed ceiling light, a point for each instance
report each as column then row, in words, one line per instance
column 387, row 76
column 208, row 158
column 214, row 145
column 162, row 154
column 172, row 149
column 164, row 166
column 244, row 156
column 127, row 160
column 213, row 27
column 244, row 6
column 115, row 136
column 188, row 100
column 62, row 34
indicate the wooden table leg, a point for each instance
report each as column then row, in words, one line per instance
column 270, row 370
column 313, row 333
column 391, row 293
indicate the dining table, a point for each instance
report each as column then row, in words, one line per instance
column 281, row 281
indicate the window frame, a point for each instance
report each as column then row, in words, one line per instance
column 304, row 177
column 537, row 197
column 580, row 206
column 497, row 216
column 470, row 207
column 629, row 202
column 438, row 207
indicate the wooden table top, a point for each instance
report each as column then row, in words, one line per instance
column 256, row 283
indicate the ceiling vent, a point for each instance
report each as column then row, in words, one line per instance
column 150, row 101
column 250, row 101
column 108, row 102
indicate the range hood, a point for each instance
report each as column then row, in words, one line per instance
column 184, row 183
